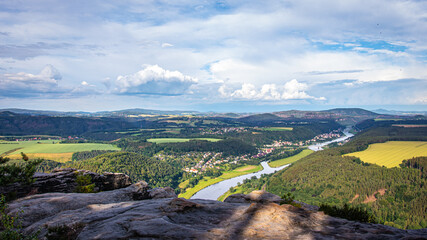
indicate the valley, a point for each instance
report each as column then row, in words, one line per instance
column 193, row 152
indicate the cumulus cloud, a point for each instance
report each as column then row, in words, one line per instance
column 154, row 80
column 166, row 45
column 24, row 84
column 291, row 90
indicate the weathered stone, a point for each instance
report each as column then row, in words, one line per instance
column 115, row 215
column 258, row 196
column 166, row 192
column 64, row 180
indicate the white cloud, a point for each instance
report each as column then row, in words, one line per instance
column 256, row 43
column 86, row 84
column 25, row 84
column 166, row 45
column 247, row 91
column 291, row 90
column 154, row 80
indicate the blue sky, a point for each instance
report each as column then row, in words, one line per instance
column 213, row 55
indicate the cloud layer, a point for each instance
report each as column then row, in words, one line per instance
column 154, row 80
column 26, row 84
column 217, row 52
column 292, row 90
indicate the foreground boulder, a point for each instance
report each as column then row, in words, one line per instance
column 64, row 180
column 132, row 213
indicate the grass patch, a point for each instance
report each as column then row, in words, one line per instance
column 291, row 159
column 277, row 129
column 391, row 154
column 175, row 140
column 205, row 182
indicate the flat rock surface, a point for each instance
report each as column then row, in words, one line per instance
column 117, row 215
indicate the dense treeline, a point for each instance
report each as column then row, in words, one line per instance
column 327, row 177
column 156, row 173
column 417, row 163
column 371, row 123
column 48, row 166
column 17, row 124
column 78, row 156
column 227, row 147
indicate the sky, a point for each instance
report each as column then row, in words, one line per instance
column 217, row 55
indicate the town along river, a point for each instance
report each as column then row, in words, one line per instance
column 213, row 192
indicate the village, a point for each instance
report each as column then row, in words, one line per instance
column 201, row 161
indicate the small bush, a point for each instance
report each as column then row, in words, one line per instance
column 64, row 232
column 84, row 184
column 289, row 199
column 11, row 226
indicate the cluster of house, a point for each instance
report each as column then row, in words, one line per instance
column 210, row 159
column 221, row 131
column 319, row 138
column 263, row 152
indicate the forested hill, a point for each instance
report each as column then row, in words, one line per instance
column 18, row 124
column 352, row 112
column 327, row 177
column 137, row 167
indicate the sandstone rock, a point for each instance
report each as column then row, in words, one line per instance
column 64, row 180
column 258, row 196
column 166, row 192
column 115, row 215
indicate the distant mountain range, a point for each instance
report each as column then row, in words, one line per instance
column 404, row 113
column 340, row 114
column 140, row 112
column 120, row 113
column 27, row 122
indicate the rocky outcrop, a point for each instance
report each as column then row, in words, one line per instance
column 136, row 212
column 64, row 180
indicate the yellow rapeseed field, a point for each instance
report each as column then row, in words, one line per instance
column 391, row 154
column 59, row 157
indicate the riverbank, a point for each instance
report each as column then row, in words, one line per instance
column 206, row 182
column 214, row 191
column 291, row 159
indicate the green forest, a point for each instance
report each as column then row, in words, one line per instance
column 396, row 196
column 137, row 167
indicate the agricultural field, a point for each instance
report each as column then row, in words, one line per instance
column 391, row 154
column 6, row 146
column 290, row 159
column 175, row 140
column 277, row 129
column 49, row 149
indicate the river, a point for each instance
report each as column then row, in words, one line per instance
column 213, row 192
column 319, row 146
